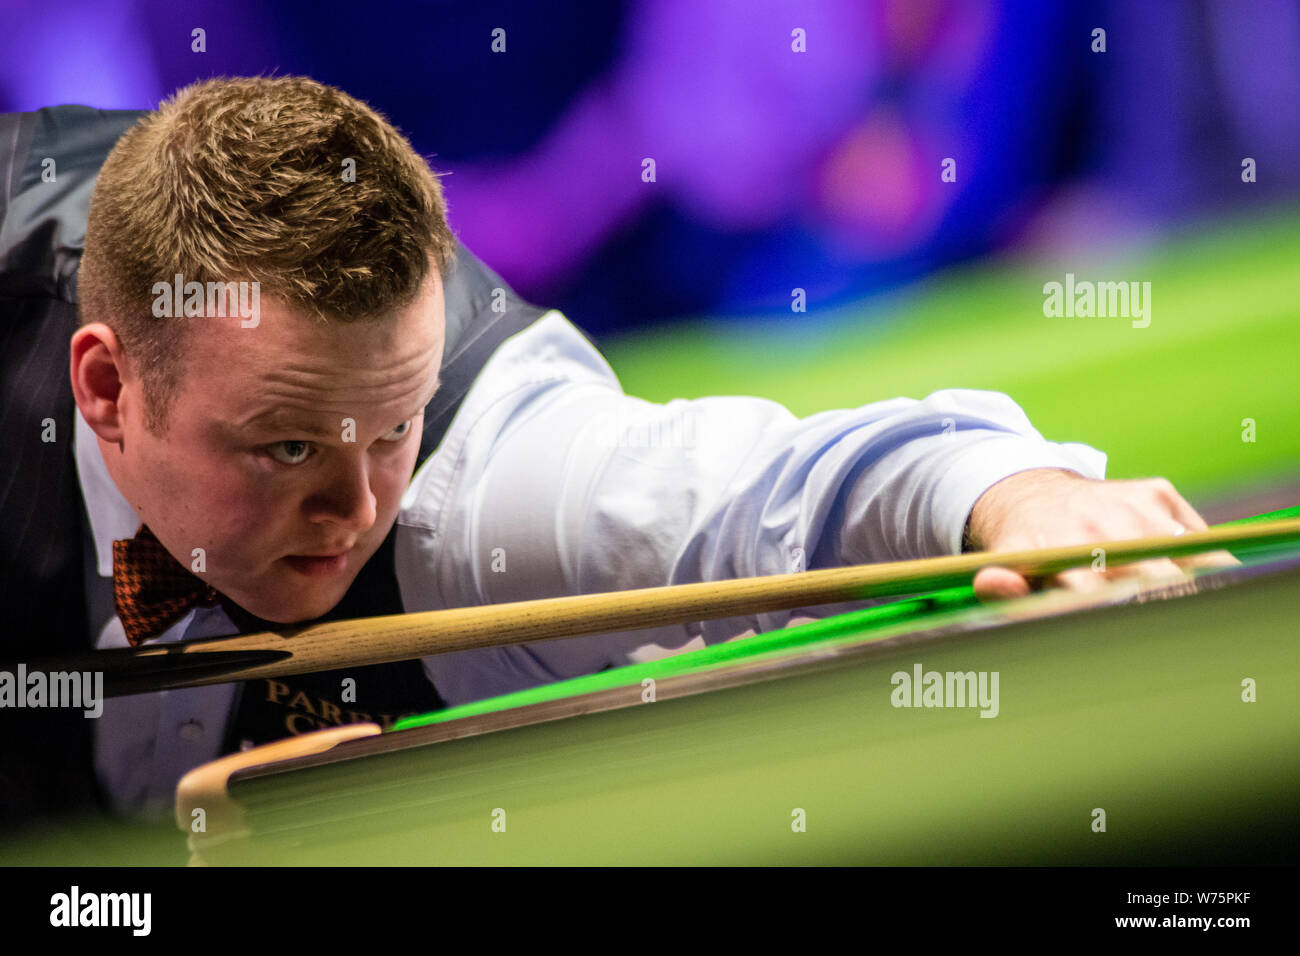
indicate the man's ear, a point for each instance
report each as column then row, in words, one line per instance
column 98, row 369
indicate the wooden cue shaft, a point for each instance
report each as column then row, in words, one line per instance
column 378, row 640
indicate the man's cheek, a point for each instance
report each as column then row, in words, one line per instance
column 246, row 519
column 394, row 482
column 389, row 498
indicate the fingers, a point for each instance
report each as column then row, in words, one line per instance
column 1083, row 580
column 1154, row 571
column 1157, row 569
column 1187, row 516
column 1062, row 514
column 999, row 584
column 1178, row 507
column 1210, row 559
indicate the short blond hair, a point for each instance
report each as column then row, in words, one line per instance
column 243, row 179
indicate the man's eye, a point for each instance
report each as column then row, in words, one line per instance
column 290, row 452
column 398, row 433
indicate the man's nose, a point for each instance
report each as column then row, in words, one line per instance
column 345, row 498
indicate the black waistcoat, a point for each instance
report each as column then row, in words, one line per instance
column 45, row 756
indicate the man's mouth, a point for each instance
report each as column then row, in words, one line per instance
column 319, row 565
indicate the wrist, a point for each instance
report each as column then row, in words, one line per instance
column 991, row 509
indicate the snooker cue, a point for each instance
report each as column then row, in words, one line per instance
column 378, row 640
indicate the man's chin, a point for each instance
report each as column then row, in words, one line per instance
column 281, row 614
column 294, row 605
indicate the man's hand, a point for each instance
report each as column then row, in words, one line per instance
column 1049, row 507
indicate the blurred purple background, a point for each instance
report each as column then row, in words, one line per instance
column 775, row 168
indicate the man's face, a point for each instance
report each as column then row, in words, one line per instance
column 287, row 449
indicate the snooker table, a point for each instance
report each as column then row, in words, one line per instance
column 1124, row 709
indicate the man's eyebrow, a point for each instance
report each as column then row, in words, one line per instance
column 291, row 420
column 437, row 384
column 284, row 420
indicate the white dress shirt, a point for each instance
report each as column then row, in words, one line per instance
column 550, row 481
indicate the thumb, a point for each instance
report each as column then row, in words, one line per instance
column 998, row 584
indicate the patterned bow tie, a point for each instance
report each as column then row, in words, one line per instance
column 152, row 590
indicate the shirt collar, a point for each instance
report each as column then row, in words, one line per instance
column 111, row 516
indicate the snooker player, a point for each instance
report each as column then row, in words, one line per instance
column 380, row 425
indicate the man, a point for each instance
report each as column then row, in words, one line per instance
column 266, row 353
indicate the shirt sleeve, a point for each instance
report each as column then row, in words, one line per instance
column 551, row 481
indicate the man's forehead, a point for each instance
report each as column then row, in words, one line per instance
column 298, row 396
column 321, row 419
column 292, row 359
